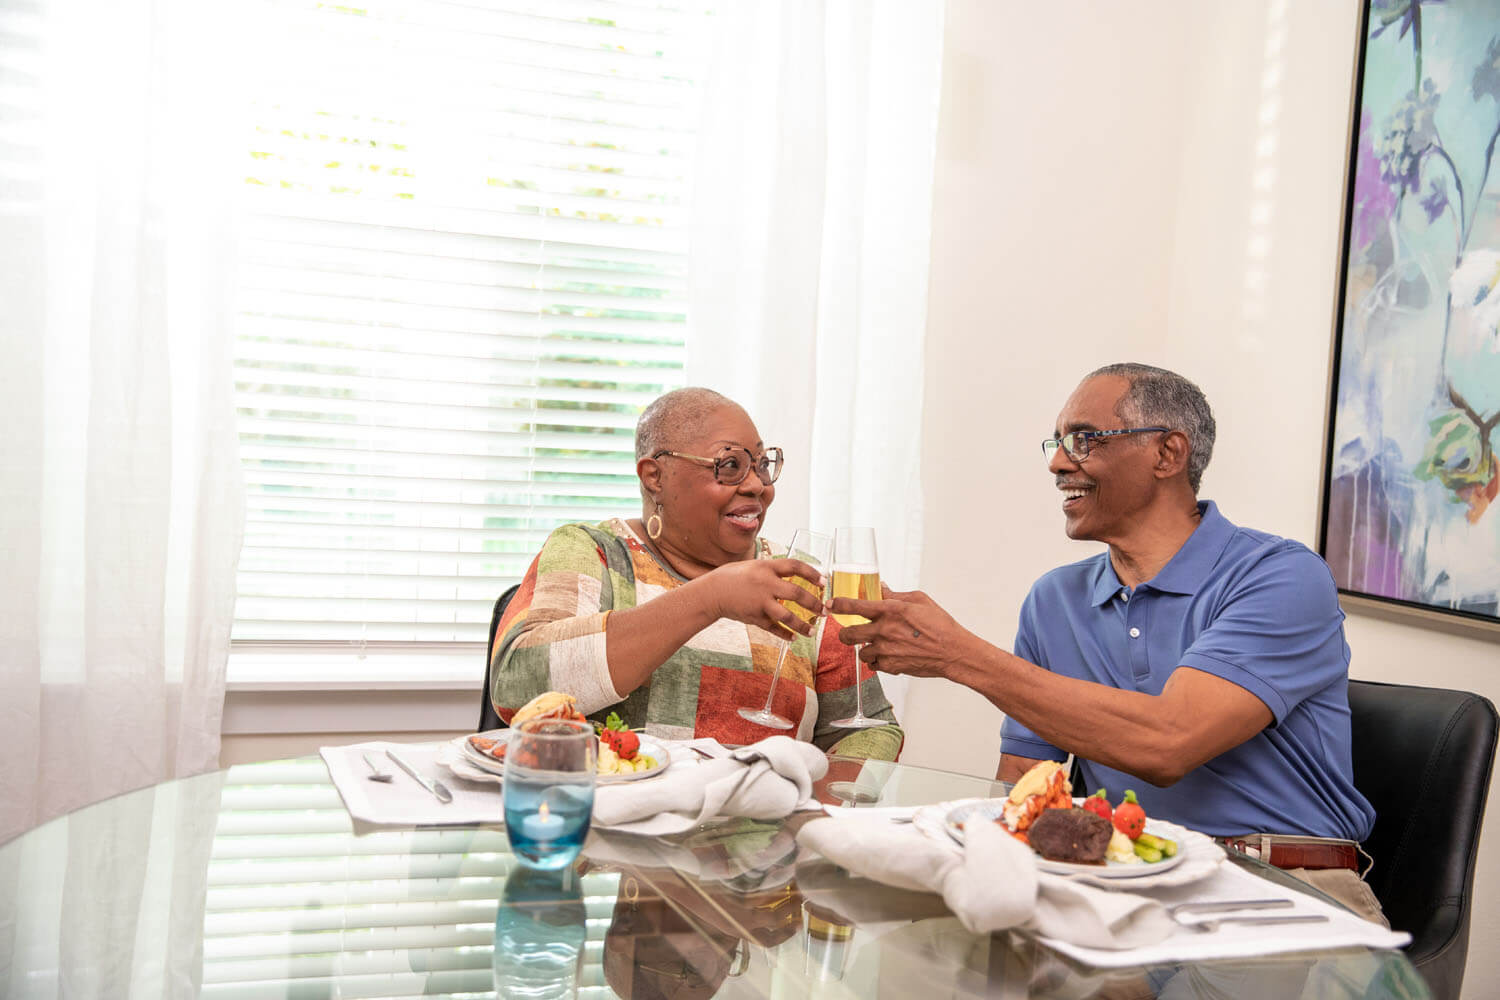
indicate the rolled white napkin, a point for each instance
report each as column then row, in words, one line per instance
column 765, row 780
column 991, row 884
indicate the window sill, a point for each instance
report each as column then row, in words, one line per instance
column 301, row 690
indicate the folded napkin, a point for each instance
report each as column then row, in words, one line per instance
column 766, row 780
column 991, row 884
column 401, row 801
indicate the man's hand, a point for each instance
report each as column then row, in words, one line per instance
column 908, row 633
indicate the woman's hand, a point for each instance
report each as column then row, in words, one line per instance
column 908, row 633
column 752, row 592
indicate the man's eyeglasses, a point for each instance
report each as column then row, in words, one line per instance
column 732, row 465
column 1077, row 444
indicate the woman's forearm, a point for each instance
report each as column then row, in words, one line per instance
column 640, row 639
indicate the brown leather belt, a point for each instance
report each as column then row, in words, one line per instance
column 1296, row 852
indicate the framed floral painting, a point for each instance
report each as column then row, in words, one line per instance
column 1410, row 510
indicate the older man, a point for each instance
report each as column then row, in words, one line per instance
column 1200, row 663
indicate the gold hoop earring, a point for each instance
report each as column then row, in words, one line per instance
column 654, row 519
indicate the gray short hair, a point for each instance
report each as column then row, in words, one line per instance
column 667, row 420
column 1157, row 396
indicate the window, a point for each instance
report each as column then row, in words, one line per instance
column 463, row 275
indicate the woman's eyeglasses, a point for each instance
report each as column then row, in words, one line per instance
column 1077, row 444
column 732, row 465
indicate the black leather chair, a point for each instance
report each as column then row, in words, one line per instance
column 487, row 717
column 1423, row 758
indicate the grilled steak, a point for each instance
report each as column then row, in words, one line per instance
column 1071, row 835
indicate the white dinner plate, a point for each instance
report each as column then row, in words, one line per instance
column 990, row 810
column 476, row 758
column 1197, row 855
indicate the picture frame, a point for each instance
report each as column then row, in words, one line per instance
column 1410, row 517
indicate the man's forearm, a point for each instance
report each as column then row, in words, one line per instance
column 1196, row 717
column 1137, row 733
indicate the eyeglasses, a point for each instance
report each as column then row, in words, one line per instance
column 732, row 465
column 1077, row 444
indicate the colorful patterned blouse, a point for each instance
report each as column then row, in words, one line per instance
column 552, row 639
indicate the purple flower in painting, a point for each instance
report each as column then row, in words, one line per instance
column 1408, row 134
column 1436, row 200
column 1487, row 73
column 1374, row 201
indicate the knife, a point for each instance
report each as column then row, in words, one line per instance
column 1225, row 905
column 437, row 788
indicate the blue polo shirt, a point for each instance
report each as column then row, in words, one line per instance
column 1259, row 611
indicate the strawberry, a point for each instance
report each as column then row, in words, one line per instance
column 1130, row 818
column 1097, row 803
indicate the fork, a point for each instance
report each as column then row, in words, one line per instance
column 376, row 774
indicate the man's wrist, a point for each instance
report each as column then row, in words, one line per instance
column 978, row 666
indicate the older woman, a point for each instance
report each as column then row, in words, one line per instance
column 673, row 619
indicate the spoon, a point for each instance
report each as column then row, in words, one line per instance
column 376, row 774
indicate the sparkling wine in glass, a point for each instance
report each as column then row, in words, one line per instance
column 856, row 573
column 816, row 550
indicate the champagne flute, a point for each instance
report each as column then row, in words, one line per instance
column 856, row 573
column 815, row 549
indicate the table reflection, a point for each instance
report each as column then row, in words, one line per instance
column 691, row 915
column 540, row 928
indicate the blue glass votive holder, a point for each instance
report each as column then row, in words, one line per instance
column 549, row 790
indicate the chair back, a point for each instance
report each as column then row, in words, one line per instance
column 1423, row 757
column 487, row 717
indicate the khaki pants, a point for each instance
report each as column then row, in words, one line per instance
column 1345, row 886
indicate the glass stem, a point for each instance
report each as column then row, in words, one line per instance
column 776, row 676
column 859, row 690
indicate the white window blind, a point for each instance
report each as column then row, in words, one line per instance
column 23, row 42
column 463, row 275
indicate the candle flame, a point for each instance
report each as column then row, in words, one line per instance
column 543, row 811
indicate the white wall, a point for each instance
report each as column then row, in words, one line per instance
column 1154, row 182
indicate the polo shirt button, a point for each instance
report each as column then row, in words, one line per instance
column 1135, row 633
column 1124, row 595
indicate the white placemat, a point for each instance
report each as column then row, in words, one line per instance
column 401, row 801
column 1343, row 929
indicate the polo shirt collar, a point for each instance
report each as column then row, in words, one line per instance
column 1186, row 571
column 1106, row 583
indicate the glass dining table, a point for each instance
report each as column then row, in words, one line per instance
column 254, row 882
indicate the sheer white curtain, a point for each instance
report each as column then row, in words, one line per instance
column 811, row 225
column 120, row 497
